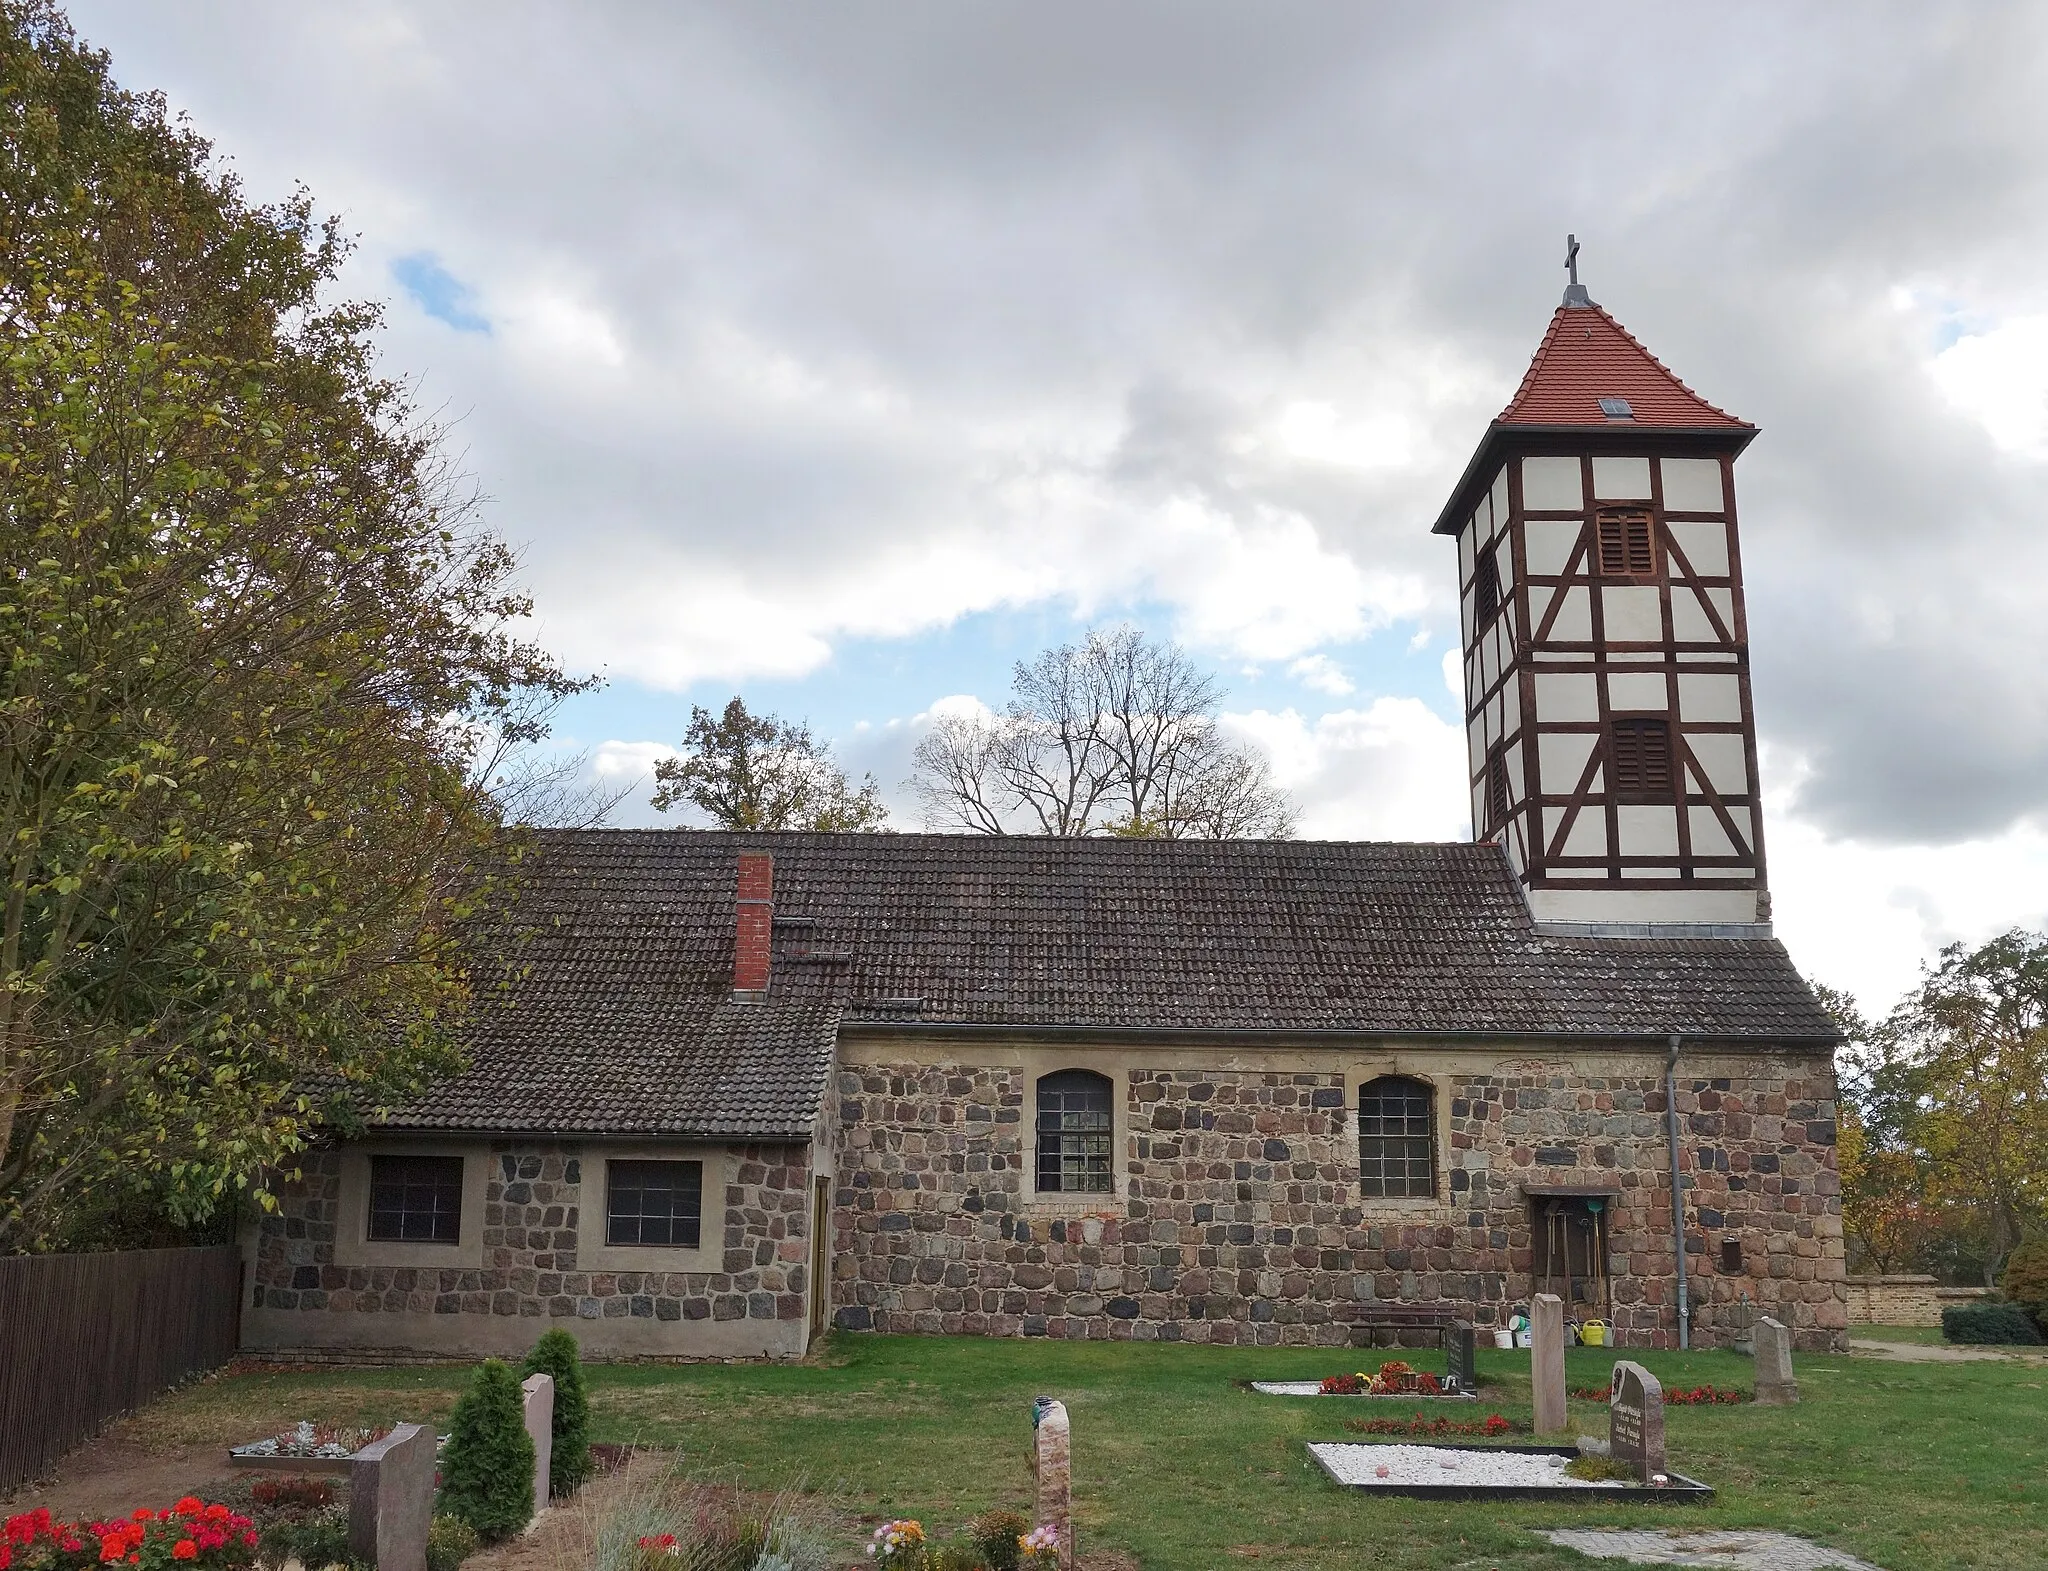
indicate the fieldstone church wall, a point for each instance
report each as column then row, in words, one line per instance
column 541, row 1215
column 1240, row 1218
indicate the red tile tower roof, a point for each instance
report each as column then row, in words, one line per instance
column 1586, row 356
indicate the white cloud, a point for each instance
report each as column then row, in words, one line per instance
column 1323, row 674
column 617, row 762
column 1999, row 377
column 1391, row 771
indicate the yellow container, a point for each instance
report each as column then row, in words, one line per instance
column 1594, row 1333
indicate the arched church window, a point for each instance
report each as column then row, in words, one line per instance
column 1397, row 1137
column 1075, row 1133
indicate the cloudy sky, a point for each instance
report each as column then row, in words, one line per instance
column 843, row 354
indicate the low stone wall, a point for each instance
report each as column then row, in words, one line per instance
column 1903, row 1300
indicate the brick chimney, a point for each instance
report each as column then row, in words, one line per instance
column 756, row 935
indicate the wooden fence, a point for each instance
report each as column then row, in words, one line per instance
column 86, row 1338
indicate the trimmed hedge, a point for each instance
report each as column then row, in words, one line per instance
column 2004, row 1325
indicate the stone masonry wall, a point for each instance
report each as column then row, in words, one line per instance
column 535, row 1227
column 1240, row 1219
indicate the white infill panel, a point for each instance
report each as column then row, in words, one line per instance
column 1561, row 758
column 1709, row 838
column 1638, row 691
column 1647, row 831
column 1722, row 758
column 1704, row 547
column 1552, row 485
column 1567, row 695
column 1632, row 614
column 1724, row 607
column 1693, row 485
column 1497, row 493
column 1573, row 623
column 1704, row 696
column 1621, row 479
column 1465, row 552
column 1549, row 543
column 1690, row 623
column 1588, row 834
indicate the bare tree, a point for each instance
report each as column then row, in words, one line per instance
column 1114, row 735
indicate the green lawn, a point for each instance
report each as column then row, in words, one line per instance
column 1925, row 1335
column 1912, row 1466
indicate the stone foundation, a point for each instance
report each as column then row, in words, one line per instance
column 1239, row 1218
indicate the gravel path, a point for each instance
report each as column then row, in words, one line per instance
column 1372, row 1465
column 1726, row 1548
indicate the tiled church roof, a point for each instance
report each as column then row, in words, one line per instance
column 615, row 1013
column 1586, row 356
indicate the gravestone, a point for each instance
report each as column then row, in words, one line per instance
column 1775, row 1386
column 1052, row 1464
column 1459, row 1362
column 1546, row 1361
column 391, row 1499
column 538, row 1392
column 1635, row 1420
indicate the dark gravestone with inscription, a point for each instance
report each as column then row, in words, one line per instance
column 1459, row 1363
column 1635, row 1420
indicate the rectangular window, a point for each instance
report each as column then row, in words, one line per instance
column 1396, row 1140
column 653, row 1203
column 1626, row 545
column 1075, row 1131
column 1485, row 589
column 416, row 1199
column 1641, row 754
column 1497, row 787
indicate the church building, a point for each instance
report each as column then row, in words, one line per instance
column 729, row 1090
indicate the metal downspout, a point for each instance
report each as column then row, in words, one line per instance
column 1677, row 1193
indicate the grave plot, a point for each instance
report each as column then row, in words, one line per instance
column 1634, row 1468
column 1395, row 1378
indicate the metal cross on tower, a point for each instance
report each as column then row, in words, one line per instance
column 1575, row 293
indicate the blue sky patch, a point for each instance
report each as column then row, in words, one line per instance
column 439, row 292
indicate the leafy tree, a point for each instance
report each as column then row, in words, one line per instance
column 748, row 771
column 258, row 673
column 556, row 1355
column 487, row 1467
column 1117, row 735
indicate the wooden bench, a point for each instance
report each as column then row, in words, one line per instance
column 1416, row 1325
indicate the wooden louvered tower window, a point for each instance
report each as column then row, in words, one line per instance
column 1497, row 788
column 1485, row 589
column 1641, row 754
column 1627, row 548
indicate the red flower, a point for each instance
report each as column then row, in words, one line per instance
column 249, row 1539
column 113, row 1546
column 217, row 1512
column 189, row 1505
column 184, row 1549
column 6, row 1556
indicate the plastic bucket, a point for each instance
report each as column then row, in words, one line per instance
column 1524, row 1339
column 1503, row 1339
column 1594, row 1333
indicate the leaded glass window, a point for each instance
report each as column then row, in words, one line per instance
column 1075, row 1133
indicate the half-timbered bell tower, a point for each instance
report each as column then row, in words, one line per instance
column 1607, row 704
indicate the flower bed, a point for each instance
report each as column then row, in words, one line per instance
column 992, row 1542
column 1393, row 1378
column 309, row 1442
column 1698, row 1396
column 1492, row 1426
column 188, row 1536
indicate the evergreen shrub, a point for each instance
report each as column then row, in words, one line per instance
column 2003, row 1325
column 487, row 1469
column 557, row 1355
column 2026, row 1280
column 450, row 1541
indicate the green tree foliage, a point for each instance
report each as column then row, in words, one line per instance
column 748, row 771
column 487, row 1465
column 1949, row 1095
column 2025, row 1280
column 556, row 1355
column 260, row 672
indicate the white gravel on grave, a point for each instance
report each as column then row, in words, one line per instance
column 1289, row 1387
column 1360, row 1464
column 1315, row 1388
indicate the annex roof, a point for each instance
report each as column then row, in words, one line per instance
column 613, row 1013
